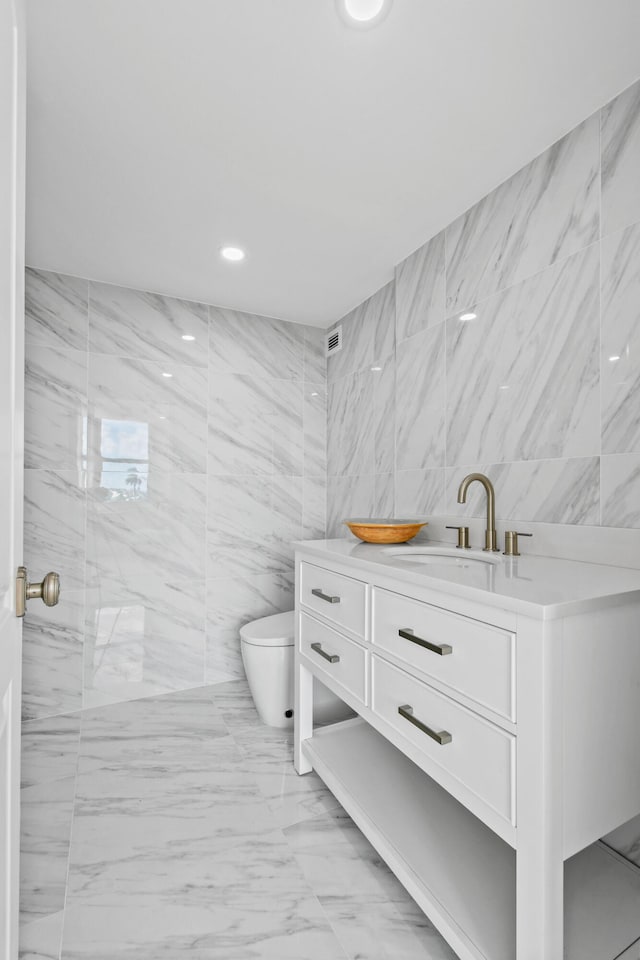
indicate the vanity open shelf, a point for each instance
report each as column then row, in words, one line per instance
column 496, row 741
column 457, row 870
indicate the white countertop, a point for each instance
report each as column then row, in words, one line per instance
column 540, row 587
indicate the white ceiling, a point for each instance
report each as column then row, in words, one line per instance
column 159, row 130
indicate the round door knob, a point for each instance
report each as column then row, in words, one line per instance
column 51, row 589
column 48, row 591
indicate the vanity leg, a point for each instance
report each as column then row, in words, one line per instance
column 539, row 905
column 539, row 853
column 302, row 715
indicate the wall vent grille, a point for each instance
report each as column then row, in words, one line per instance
column 334, row 341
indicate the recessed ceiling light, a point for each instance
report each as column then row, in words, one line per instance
column 376, row 369
column 167, row 374
column 504, row 386
column 468, row 316
column 187, row 336
column 232, row 254
column 363, row 12
column 613, row 359
column 162, row 418
column 315, row 394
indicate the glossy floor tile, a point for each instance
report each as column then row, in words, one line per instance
column 192, row 833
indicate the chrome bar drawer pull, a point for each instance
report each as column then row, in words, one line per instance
column 442, row 648
column 325, row 596
column 440, row 737
column 331, row 657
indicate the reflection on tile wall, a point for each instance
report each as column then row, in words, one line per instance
column 514, row 346
column 165, row 480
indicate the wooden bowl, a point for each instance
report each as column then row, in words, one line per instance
column 375, row 530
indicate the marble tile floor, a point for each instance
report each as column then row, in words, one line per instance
column 191, row 834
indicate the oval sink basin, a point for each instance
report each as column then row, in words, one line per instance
column 441, row 556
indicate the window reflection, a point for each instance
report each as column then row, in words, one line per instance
column 119, row 464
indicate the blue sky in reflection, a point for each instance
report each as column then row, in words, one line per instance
column 124, row 452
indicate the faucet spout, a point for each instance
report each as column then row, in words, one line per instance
column 491, row 537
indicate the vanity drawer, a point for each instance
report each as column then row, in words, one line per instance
column 471, row 657
column 474, row 751
column 340, row 599
column 343, row 660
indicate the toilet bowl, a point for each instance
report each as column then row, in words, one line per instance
column 267, row 654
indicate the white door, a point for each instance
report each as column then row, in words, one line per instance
column 12, row 111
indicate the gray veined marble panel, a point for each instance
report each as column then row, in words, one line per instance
column 255, row 346
column 131, row 323
column 620, row 132
column 56, row 310
column 52, row 647
column 155, row 412
column 231, row 603
column 251, row 524
column 170, row 751
column 49, row 761
column 368, row 334
column 143, row 638
column 182, row 846
column 315, row 359
column 55, row 407
column 315, row 429
column 54, row 527
column 383, row 389
column 181, row 731
column 420, row 400
column 620, row 364
column 240, row 426
column 266, row 755
column 348, row 497
column 287, row 427
column 41, row 939
column 46, row 812
column 314, row 508
column 240, row 524
column 371, row 912
column 50, row 750
column 374, row 928
column 382, row 313
column 545, row 212
column 384, row 495
column 350, row 427
column 543, row 491
column 235, row 705
column 294, row 929
column 174, row 773
column 154, row 858
column 420, row 289
column 420, row 493
column 159, row 528
column 286, row 511
column 620, row 478
column 522, row 377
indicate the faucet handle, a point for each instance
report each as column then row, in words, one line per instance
column 511, row 542
column 463, row 537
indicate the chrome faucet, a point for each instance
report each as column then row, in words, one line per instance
column 490, row 537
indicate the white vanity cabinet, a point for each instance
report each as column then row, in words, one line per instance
column 497, row 739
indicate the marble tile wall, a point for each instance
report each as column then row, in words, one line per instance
column 515, row 349
column 165, row 479
column 512, row 337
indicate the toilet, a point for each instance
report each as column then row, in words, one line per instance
column 267, row 654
